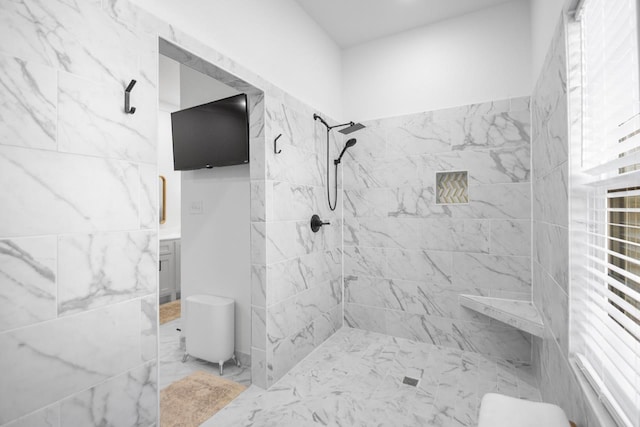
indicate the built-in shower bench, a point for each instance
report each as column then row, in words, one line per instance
column 519, row 314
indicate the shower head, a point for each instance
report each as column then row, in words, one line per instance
column 354, row 127
column 350, row 143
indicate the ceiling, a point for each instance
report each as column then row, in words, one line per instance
column 351, row 22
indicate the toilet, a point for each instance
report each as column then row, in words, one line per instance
column 497, row 410
column 210, row 329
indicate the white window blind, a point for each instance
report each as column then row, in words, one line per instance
column 606, row 248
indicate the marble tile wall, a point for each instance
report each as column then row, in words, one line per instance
column 407, row 258
column 550, row 168
column 303, row 270
column 78, row 233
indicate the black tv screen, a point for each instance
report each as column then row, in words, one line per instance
column 210, row 135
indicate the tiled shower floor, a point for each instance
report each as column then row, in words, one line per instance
column 355, row 379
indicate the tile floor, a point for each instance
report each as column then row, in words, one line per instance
column 171, row 366
column 355, row 379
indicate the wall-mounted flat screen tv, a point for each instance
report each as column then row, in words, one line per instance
column 211, row 135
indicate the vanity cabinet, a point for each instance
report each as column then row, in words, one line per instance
column 169, row 266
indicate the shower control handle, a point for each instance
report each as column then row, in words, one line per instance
column 316, row 223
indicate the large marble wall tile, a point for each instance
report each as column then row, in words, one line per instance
column 365, row 317
column 419, row 265
column 396, row 172
column 553, row 303
column 258, row 327
column 326, row 325
column 261, row 200
column 551, row 251
column 372, row 232
column 290, row 277
column 283, row 354
column 75, row 37
column 258, row 243
column 419, row 327
column 499, row 341
column 317, row 301
column 27, row 281
column 372, row 144
column 417, row 134
column 463, row 235
column 282, row 319
column 508, row 201
column 494, row 166
column 416, row 202
column 256, row 114
column 47, row 417
column 360, row 174
column 294, row 202
column 258, row 285
column 101, row 269
column 289, row 239
column 295, row 166
column 92, row 121
column 511, row 237
column 491, row 272
column 549, row 111
column 426, row 298
column 68, row 193
column 121, row 401
column 370, row 291
column 328, row 265
column 551, row 197
column 65, row 356
column 149, row 193
column 366, row 203
column 149, row 327
column 504, row 342
column 258, row 368
column 364, row 261
column 296, row 127
column 28, row 104
column 491, row 130
column 257, row 161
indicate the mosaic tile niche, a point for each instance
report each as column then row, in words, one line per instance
column 452, row 187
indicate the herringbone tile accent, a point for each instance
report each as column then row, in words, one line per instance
column 451, row 187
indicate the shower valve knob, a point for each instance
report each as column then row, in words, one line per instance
column 316, row 223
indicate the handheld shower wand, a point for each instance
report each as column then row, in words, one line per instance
column 349, row 127
column 350, row 143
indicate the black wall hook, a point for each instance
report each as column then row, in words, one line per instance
column 275, row 145
column 127, row 107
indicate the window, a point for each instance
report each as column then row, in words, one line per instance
column 605, row 198
column 624, row 254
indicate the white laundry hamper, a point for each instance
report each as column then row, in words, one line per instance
column 210, row 329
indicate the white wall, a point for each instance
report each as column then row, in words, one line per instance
column 545, row 15
column 169, row 97
column 215, row 243
column 169, row 82
column 197, row 88
column 275, row 39
column 216, row 240
column 478, row 57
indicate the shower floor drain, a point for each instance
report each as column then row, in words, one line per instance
column 410, row 381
